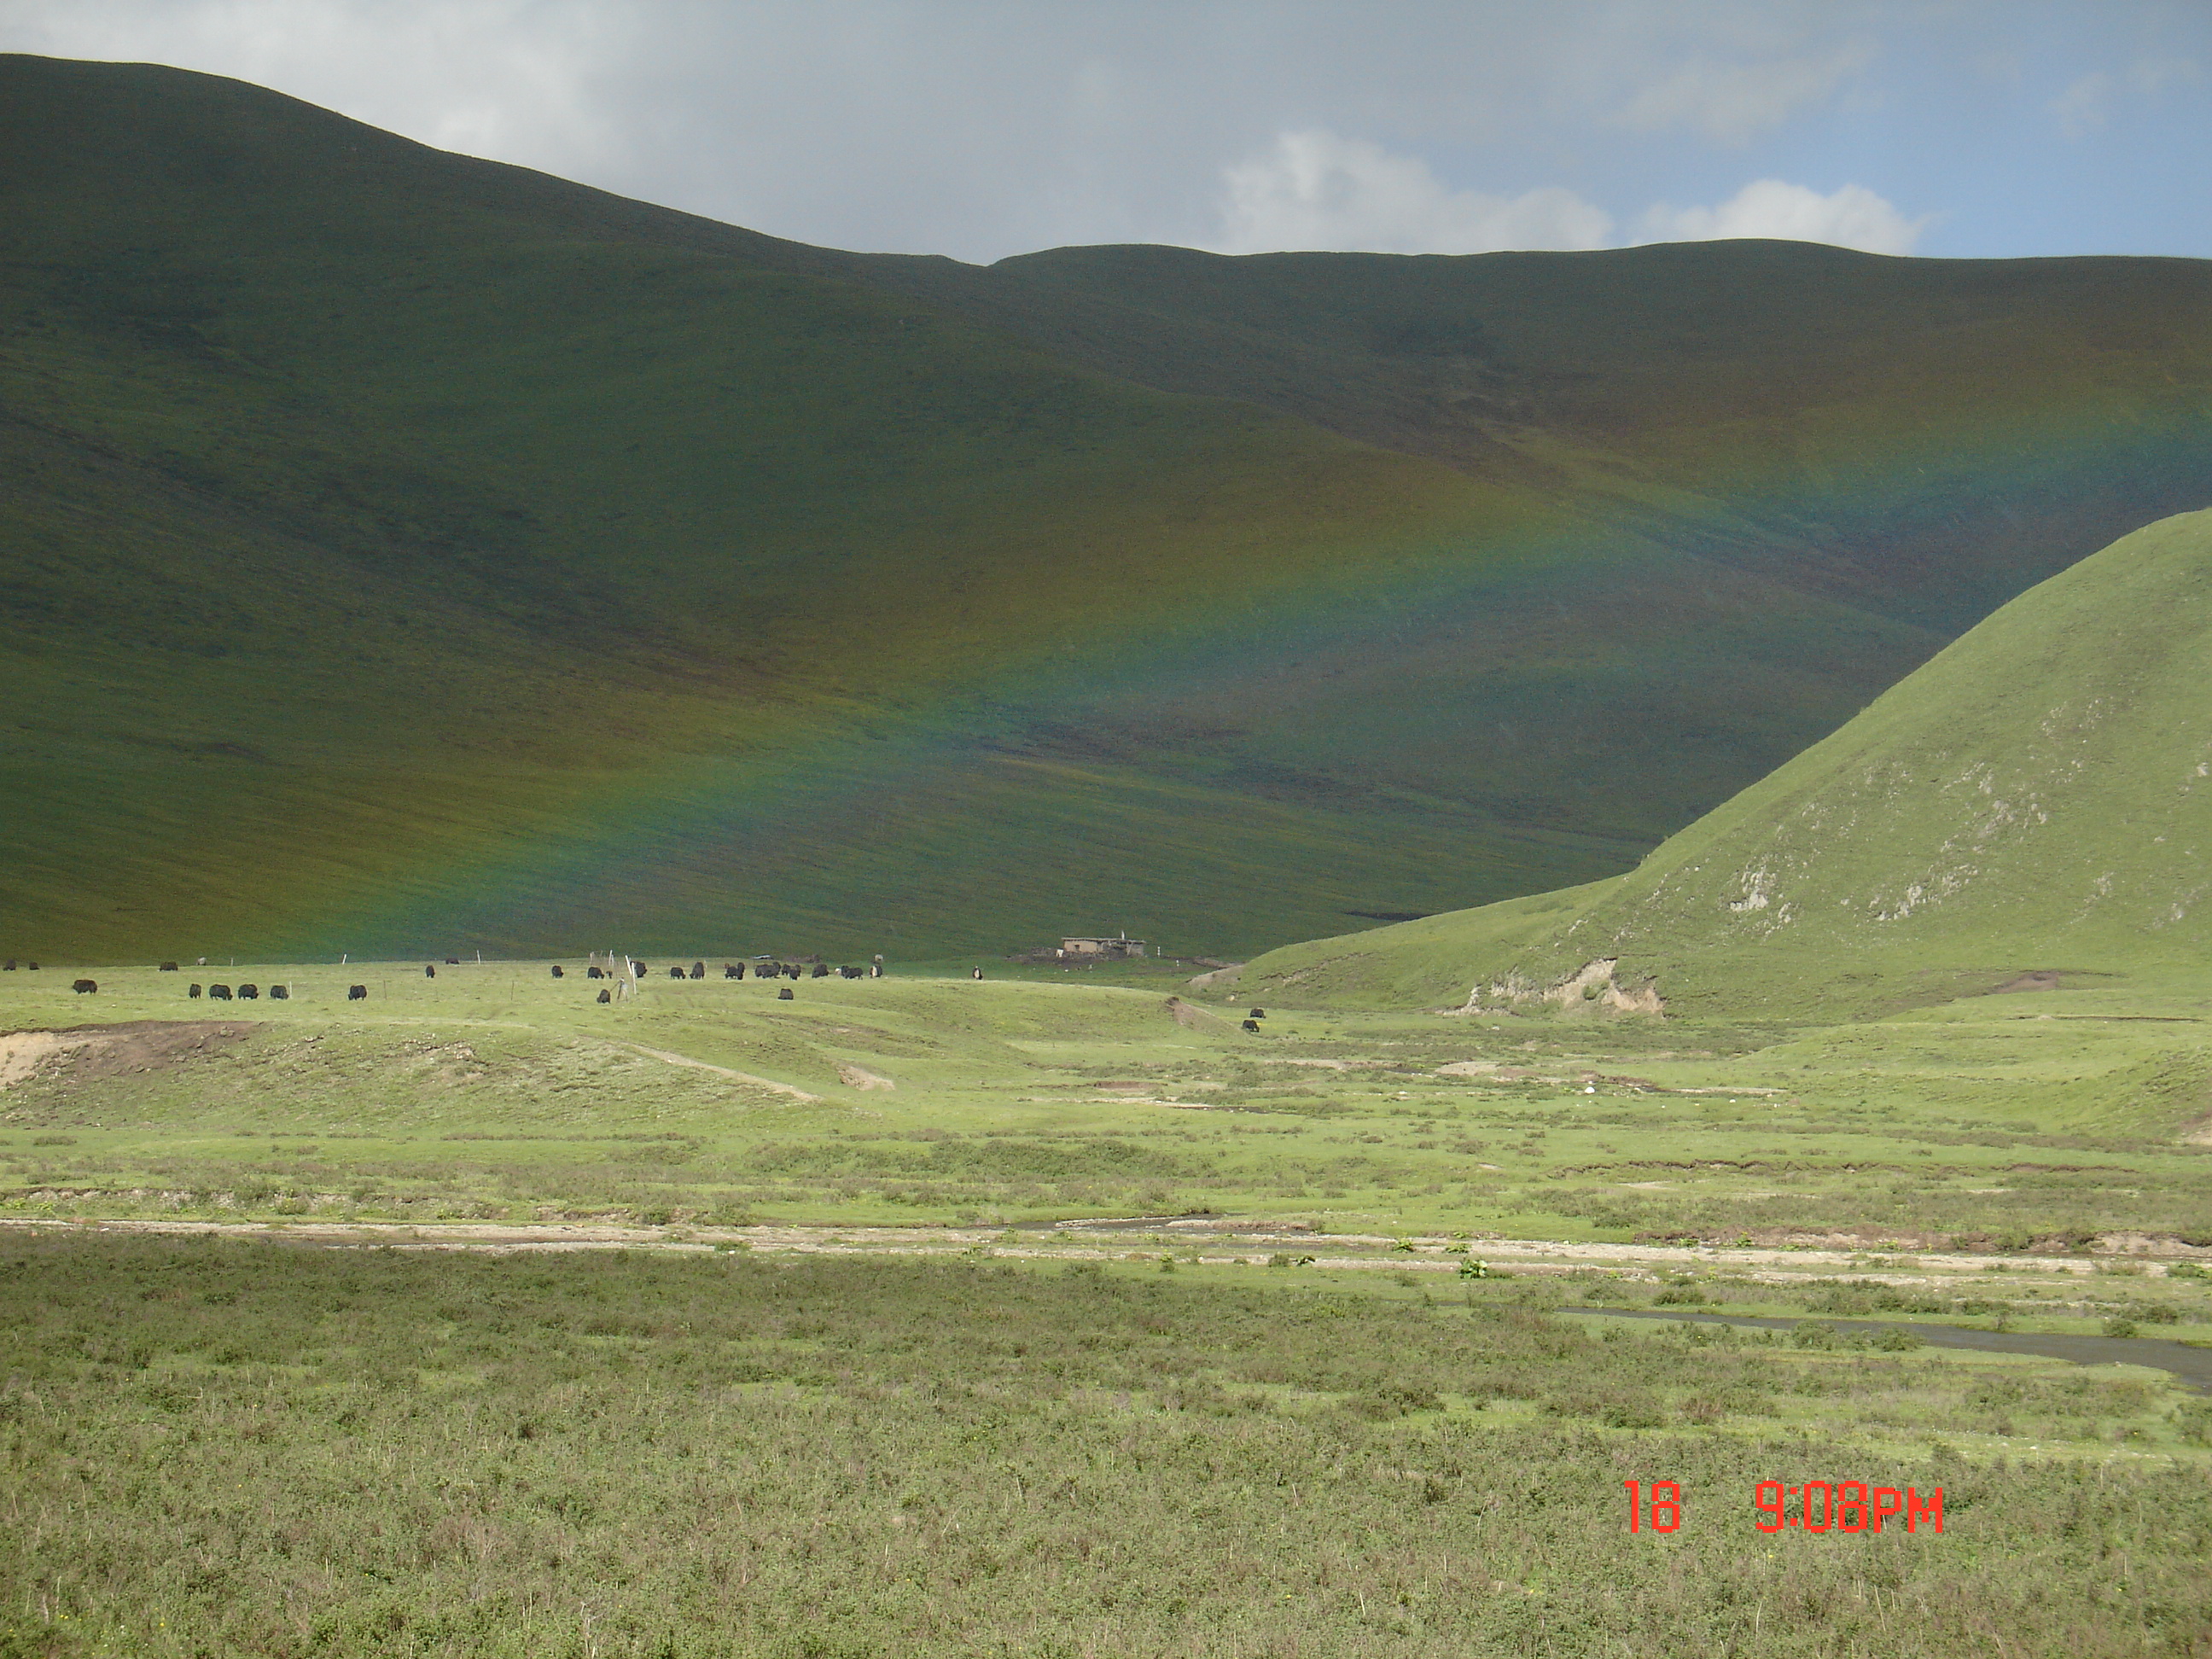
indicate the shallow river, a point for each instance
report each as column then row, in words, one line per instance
column 2192, row 1366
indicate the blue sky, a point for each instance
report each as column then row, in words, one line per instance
column 1941, row 127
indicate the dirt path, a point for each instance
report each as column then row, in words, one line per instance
column 686, row 1060
column 1207, row 1241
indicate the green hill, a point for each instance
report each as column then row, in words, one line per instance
column 404, row 551
column 2031, row 808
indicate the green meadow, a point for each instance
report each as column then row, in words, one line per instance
column 216, row 1447
column 497, row 1092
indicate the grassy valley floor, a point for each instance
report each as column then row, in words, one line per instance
column 1061, row 1315
column 2057, row 1119
column 214, row 1447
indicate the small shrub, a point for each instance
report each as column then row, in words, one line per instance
column 2120, row 1325
column 26, row 1641
column 1406, row 1397
column 1615, row 1411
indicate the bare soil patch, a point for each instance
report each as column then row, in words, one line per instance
column 87, row 1053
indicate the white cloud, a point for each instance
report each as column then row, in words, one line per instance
column 1851, row 216
column 2155, row 75
column 1731, row 103
column 982, row 128
column 1315, row 189
column 2085, row 105
column 2081, row 107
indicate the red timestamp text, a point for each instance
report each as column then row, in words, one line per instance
column 1844, row 1506
column 1662, row 1510
column 1817, row 1506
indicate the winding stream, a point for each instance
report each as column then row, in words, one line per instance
column 2191, row 1365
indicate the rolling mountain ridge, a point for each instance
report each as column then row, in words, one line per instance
column 407, row 552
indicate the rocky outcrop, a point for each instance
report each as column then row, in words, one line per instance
column 1592, row 989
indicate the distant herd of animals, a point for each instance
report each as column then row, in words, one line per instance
column 763, row 968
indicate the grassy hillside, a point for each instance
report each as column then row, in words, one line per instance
column 1792, row 385
column 2031, row 810
column 406, row 552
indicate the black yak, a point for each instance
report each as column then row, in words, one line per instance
column 280, row 993
column 356, row 994
column 698, row 970
column 784, row 995
column 675, row 973
column 1251, row 1024
column 195, row 991
column 219, row 992
column 606, row 995
column 83, row 985
column 733, row 970
column 169, row 968
column 428, row 972
column 593, row 973
column 821, row 971
column 557, row 974
column 250, row 992
column 1258, row 1013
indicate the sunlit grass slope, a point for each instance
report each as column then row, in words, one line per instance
column 404, row 551
column 2034, row 807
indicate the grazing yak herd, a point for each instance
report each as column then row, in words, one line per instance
column 247, row 992
column 768, row 967
column 765, row 968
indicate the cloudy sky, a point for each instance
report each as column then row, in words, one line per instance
column 982, row 128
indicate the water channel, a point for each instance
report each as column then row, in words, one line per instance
column 2190, row 1365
